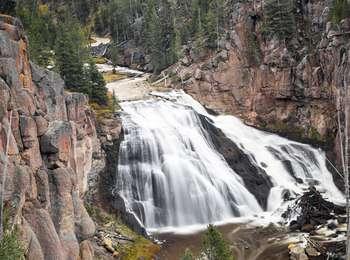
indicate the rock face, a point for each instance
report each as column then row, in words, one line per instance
column 289, row 87
column 52, row 140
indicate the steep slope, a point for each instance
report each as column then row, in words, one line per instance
column 285, row 86
column 52, row 139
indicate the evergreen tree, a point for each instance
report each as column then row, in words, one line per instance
column 114, row 53
column 187, row 255
column 71, row 53
column 214, row 245
column 98, row 91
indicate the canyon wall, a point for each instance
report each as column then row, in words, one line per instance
column 289, row 87
column 52, row 139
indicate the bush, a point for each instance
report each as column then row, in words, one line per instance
column 10, row 247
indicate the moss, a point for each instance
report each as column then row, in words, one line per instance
column 315, row 135
column 100, row 60
column 141, row 248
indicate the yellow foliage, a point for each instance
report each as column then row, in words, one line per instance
column 43, row 9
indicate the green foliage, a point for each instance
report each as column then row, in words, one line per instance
column 40, row 30
column 214, row 246
column 96, row 85
column 279, row 18
column 71, row 52
column 10, row 246
column 188, row 255
column 114, row 53
column 340, row 10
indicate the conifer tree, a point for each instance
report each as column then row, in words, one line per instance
column 214, row 245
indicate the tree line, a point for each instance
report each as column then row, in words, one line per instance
column 162, row 27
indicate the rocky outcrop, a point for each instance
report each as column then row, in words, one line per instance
column 52, row 140
column 289, row 87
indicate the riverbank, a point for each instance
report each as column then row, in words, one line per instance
column 248, row 242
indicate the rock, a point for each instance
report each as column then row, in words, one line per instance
column 86, row 250
column 185, row 61
column 307, row 228
column 197, row 74
column 108, row 244
column 296, row 252
column 41, row 125
column 50, row 153
column 311, row 251
column 57, row 140
column 332, row 225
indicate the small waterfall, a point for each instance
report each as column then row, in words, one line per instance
column 171, row 172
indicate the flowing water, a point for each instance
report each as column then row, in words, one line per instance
column 171, row 175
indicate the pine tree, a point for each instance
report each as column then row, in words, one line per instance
column 71, row 53
column 214, row 245
column 187, row 255
column 97, row 85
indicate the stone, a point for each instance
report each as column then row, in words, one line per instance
column 197, row 74
column 86, row 250
column 296, row 252
column 311, row 251
column 108, row 244
column 41, row 125
column 57, row 140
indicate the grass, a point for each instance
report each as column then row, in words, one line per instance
column 10, row 246
column 100, row 60
column 111, row 77
column 141, row 248
column 103, row 112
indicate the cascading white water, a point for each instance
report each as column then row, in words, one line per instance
column 170, row 173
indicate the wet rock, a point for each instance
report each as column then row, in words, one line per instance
column 297, row 252
column 311, row 251
column 312, row 210
column 307, row 228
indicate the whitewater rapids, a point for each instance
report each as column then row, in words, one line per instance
column 171, row 175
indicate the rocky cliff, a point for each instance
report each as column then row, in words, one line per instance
column 52, row 138
column 289, row 87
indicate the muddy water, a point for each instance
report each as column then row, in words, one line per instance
column 247, row 242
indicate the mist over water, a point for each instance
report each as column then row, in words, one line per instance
column 171, row 175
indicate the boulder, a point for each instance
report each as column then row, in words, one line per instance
column 86, row 250
column 57, row 141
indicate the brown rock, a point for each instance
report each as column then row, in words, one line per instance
column 41, row 124
column 86, row 250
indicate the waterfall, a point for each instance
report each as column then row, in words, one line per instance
column 173, row 172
